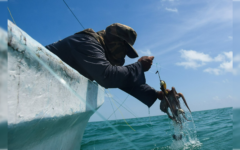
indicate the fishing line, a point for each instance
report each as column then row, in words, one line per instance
column 73, row 13
column 118, row 106
column 11, row 15
column 122, row 116
column 134, row 115
column 158, row 72
column 129, row 109
column 163, row 68
column 113, row 109
column 126, row 108
column 149, row 117
column 123, row 106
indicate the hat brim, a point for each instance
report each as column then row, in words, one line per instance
column 131, row 52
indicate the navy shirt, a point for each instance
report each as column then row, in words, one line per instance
column 86, row 55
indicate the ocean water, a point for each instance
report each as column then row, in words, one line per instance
column 208, row 130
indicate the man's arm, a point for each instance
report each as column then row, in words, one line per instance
column 90, row 55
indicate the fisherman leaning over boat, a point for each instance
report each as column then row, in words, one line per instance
column 100, row 56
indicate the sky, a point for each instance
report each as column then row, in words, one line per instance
column 193, row 42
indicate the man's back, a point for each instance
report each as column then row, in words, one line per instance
column 65, row 48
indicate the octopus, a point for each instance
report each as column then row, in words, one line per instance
column 171, row 100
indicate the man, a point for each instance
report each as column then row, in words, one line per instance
column 100, row 56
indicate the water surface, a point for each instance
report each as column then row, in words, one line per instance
column 212, row 129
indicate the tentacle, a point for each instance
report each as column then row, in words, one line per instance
column 178, row 121
column 169, row 116
column 176, row 96
column 181, row 95
column 185, row 117
column 169, row 105
column 173, row 89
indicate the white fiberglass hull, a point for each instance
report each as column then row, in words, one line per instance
column 49, row 103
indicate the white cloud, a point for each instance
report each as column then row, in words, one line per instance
column 226, row 60
column 195, row 56
column 146, row 52
column 215, row 71
column 230, row 37
column 229, row 54
column 194, row 59
column 190, row 64
column 227, row 65
column 171, row 9
column 219, row 57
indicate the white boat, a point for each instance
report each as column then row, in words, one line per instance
column 49, row 103
column 3, row 89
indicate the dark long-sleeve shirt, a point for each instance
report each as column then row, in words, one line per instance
column 86, row 55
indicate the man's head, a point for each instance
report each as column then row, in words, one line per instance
column 119, row 40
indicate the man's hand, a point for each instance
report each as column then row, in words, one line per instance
column 160, row 94
column 146, row 62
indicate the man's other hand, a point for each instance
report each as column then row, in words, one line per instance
column 146, row 62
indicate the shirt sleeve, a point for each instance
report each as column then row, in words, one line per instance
column 143, row 92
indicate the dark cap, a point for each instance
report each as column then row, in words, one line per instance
column 125, row 33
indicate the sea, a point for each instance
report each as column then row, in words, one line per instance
column 206, row 130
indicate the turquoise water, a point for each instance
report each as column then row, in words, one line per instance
column 210, row 129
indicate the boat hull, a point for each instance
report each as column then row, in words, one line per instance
column 49, row 103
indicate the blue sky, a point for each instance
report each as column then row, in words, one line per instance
column 192, row 42
column 3, row 12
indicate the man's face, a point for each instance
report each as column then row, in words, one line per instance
column 117, row 49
